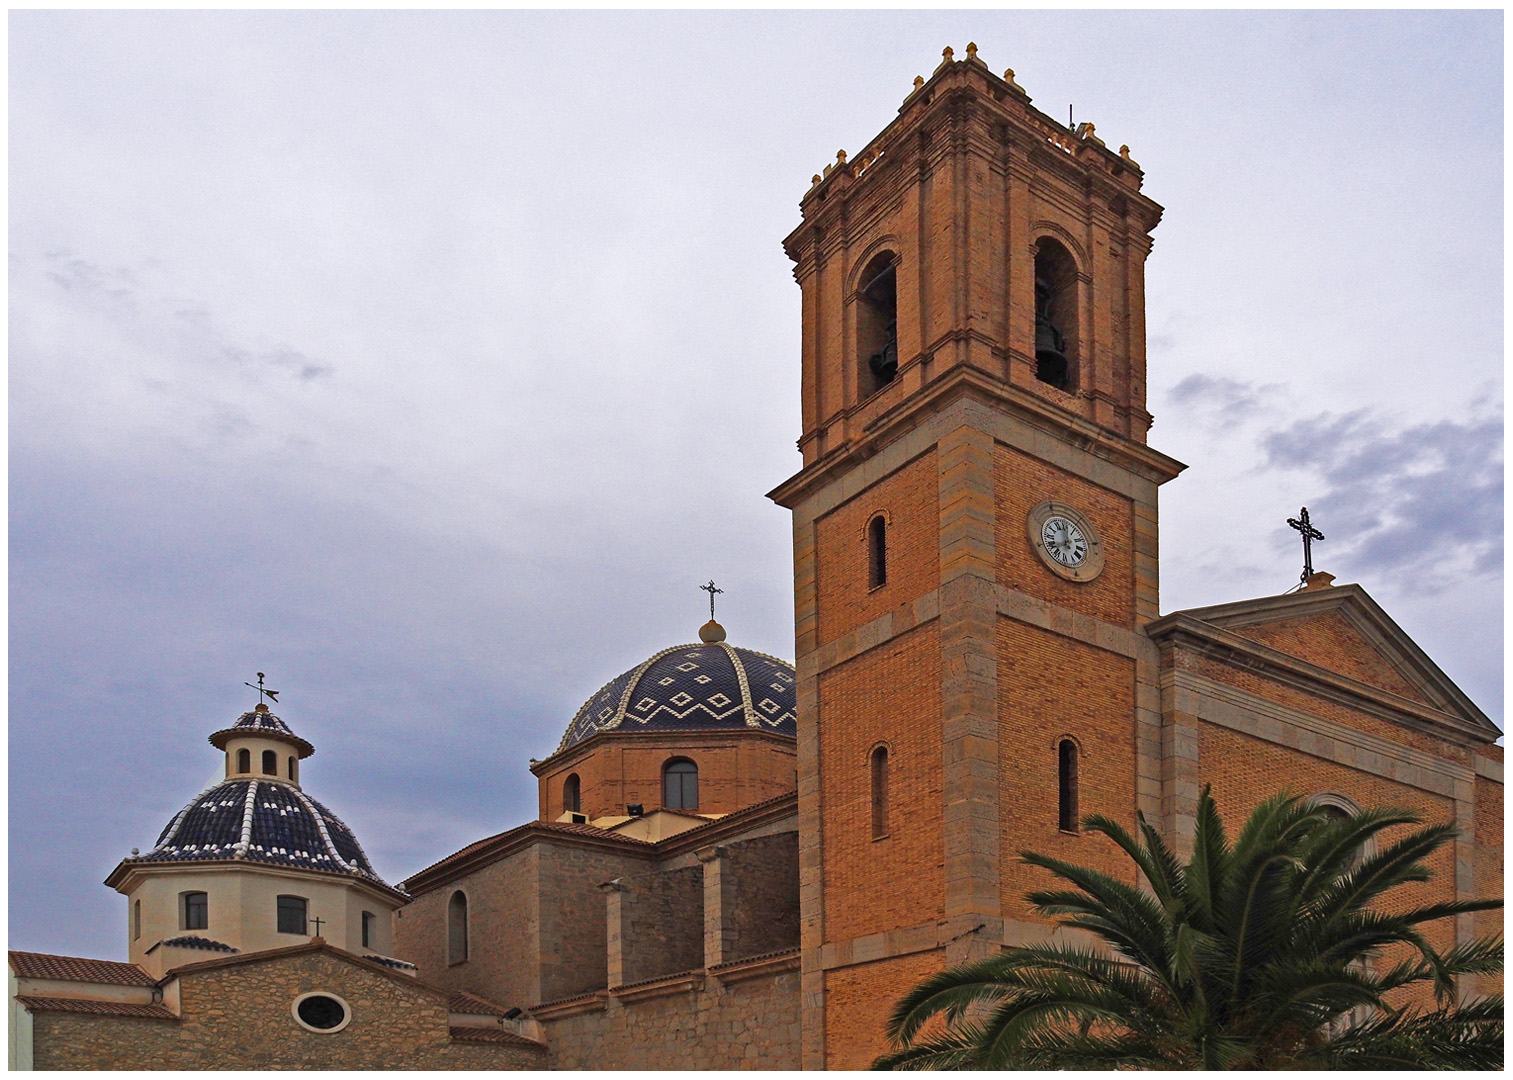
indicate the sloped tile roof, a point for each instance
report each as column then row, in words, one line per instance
column 96, row 1008
column 30, row 965
column 493, row 1035
column 189, row 941
column 476, row 1006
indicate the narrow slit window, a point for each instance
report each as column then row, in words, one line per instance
column 244, row 760
column 879, row 765
column 136, row 920
column 1067, row 783
column 572, row 794
column 877, row 552
column 367, row 929
column 270, row 762
column 293, row 767
column 457, row 928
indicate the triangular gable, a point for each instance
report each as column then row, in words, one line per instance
column 1340, row 628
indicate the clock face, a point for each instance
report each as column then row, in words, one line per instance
column 1063, row 541
column 1066, row 541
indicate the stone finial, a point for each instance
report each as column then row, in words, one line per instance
column 1008, row 77
column 840, row 157
column 1124, row 151
column 1319, row 580
column 947, row 57
column 919, row 80
column 711, row 633
column 971, row 50
column 829, row 168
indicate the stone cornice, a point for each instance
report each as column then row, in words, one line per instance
column 571, row 1006
column 1368, row 619
column 129, row 871
column 1182, row 630
column 1240, row 710
column 662, row 986
column 757, row 966
column 1017, row 402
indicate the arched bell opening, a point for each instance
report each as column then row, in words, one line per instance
column 1056, row 336
column 877, row 323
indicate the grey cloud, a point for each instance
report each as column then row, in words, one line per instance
column 1422, row 503
column 1227, row 401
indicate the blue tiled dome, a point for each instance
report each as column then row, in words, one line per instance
column 260, row 821
column 261, row 722
column 708, row 687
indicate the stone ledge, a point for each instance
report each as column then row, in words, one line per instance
column 661, row 986
column 754, row 967
column 572, row 1006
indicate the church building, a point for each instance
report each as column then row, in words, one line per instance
column 741, row 862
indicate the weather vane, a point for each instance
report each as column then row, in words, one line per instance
column 1310, row 534
column 272, row 695
column 711, row 590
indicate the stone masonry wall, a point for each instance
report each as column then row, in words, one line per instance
column 573, row 948
column 663, row 924
column 239, row 1017
column 752, row 1024
column 765, row 884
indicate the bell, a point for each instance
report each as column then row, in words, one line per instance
column 1050, row 345
column 884, row 364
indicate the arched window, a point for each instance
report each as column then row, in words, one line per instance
column 1066, row 754
column 877, row 323
column 571, row 795
column 877, row 552
column 270, row 762
column 457, row 928
column 244, row 760
column 680, row 785
column 293, row 767
column 368, row 923
column 196, row 911
column 291, row 914
column 879, row 763
column 1056, row 338
column 1339, row 808
column 136, row 920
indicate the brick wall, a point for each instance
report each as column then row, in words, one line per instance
column 1331, row 642
column 240, row 1018
column 857, row 1003
column 736, row 769
column 1022, row 482
column 1049, row 687
column 751, row 1024
column 910, row 498
column 662, row 923
column 889, row 694
column 1489, row 863
column 765, row 887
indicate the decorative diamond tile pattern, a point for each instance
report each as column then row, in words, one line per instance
column 692, row 687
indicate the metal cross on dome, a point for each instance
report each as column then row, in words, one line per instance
column 1310, row 534
column 262, row 691
column 711, row 590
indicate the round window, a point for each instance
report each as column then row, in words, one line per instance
column 325, row 1013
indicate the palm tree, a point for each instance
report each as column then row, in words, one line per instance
column 1256, row 954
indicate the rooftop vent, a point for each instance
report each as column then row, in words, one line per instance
column 635, row 809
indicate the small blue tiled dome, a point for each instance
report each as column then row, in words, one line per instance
column 260, row 821
column 261, row 722
column 710, row 686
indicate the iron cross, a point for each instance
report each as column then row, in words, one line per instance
column 1310, row 534
column 317, row 921
column 711, row 590
column 262, row 692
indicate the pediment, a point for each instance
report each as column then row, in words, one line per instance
column 1340, row 629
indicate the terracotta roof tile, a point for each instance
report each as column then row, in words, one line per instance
column 31, row 965
column 493, row 1035
column 95, row 1008
column 477, row 1006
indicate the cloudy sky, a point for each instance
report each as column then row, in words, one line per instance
column 429, row 362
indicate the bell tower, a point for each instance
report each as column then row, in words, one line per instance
column 974, row 536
